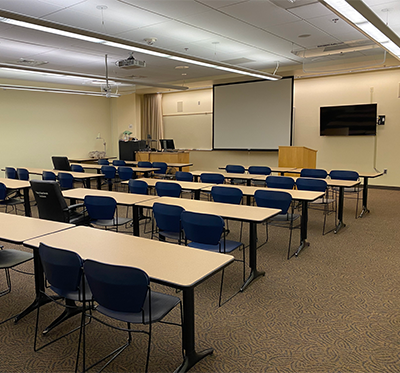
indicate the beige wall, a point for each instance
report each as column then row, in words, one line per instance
column 356, row 153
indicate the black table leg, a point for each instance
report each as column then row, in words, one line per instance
column 365, row 198
column 303, row 228
column 27, row 204
column 340, row 211
column 254, row 273
column 197, row 194
column 188, row 334
column 135, row 222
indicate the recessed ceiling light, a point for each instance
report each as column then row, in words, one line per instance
column 304, row 35
column 181, row 67
column 101, row 7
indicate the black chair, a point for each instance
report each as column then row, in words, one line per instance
column 103, row 211
column 124, row 294
column 52, row 206
column 278, row 200
column 6, row 200
column 61, row 163
column 206, row 232
column 63, row 271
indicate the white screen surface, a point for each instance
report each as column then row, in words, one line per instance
column 253, row 115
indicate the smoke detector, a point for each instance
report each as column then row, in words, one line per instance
column 150, row 41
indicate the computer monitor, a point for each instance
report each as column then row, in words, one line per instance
column 167, row 144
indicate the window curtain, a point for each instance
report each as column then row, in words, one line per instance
column 152, row 119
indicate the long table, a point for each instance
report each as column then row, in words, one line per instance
column 179, row 166
column 251, row 214
column 18, row 185
column 122, row 198
column 280, row 170
column 298, row 195
column 17, row 229
column 176, row 266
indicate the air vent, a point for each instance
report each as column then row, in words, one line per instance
column 238, row 61
column 29, row 62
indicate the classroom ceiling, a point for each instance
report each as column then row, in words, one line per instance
column 257, row 34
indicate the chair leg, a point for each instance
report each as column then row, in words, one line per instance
column 8, row 281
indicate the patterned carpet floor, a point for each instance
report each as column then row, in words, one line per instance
column 334, row 308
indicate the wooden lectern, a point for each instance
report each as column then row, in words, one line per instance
column 297, row 157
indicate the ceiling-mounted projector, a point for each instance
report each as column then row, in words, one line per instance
column 130, row 63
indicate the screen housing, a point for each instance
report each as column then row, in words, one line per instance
column 348, row 120
column 167, row 144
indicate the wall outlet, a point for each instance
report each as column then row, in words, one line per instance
column 385, row 171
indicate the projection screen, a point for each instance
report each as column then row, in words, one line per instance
column 253, row 115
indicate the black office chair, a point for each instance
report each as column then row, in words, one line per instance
column 52, row 206
column 61, row 163
column 6, row 200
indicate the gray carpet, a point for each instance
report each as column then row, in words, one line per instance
column 335, row 308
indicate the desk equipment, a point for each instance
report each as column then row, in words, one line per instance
column 61, row 163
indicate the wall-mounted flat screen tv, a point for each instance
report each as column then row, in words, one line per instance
column 348, row 120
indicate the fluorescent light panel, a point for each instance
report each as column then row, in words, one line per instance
column 137, row 49
column 344, row 9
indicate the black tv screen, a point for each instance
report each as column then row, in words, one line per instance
column 167, row 144
column 349, row 120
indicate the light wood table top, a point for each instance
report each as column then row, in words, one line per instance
column 227, row 175
column 88, row 159
column 189, row 185
column 273, row 168
column 135, row 169
column 370, row 175
column 76, row 175
column 169, row 164
column 176, row 265
column 122, row 198
column 17, row 228
column 14, row 183
column 225, row 210
column 299, row 195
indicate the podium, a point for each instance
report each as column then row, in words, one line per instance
column 297, row 157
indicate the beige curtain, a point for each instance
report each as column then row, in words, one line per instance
column 152, row 120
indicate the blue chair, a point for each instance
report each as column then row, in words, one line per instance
column 204, row 231
column 124, row 294
column 230, row 195
column 65, row 180
column 212, row 178
column 145, row 164
column 278, row 200
column 183, row 176
column 314, row 172
column 162, row 172
column 168, row 189
column 279, row 182
column 103, row 162
column 63, row 271
column 353, row 192
column 102, row 211
column 7, row 200
column 118, row 162
column 10, row 173
column 77, row 168
column 23, row 174
column 318, row 185
column 236, row 169
column 168, row 221
column 137, row 186
column 259, row 170
column 49, row 175
column 125, row 173
column 109, row 175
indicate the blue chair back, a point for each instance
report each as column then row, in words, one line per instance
column 162, row 167
column 343, row 175
column 212, row 178
column 183, row 176
column 108, row 171
column 165, row 189
column 66, row 180
column 23, row 174
column 235, row 169
column 202, row 228
column 118, row 162
column 145, row 164
column 125, row 173
column 63, row 269
column 273, row 199
column 100, row 207
column 48, row 175
column 259, row 170
column 118, row 288
column 3, row 192
column 313, row 172
column 11, row 173
column 103, row 162
column 137, row 187
column 281, row 182
column 314, row 185
column 168, row 217
column 76, row 168
column 226, row 194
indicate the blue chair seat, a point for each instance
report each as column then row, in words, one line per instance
column 229, row 247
